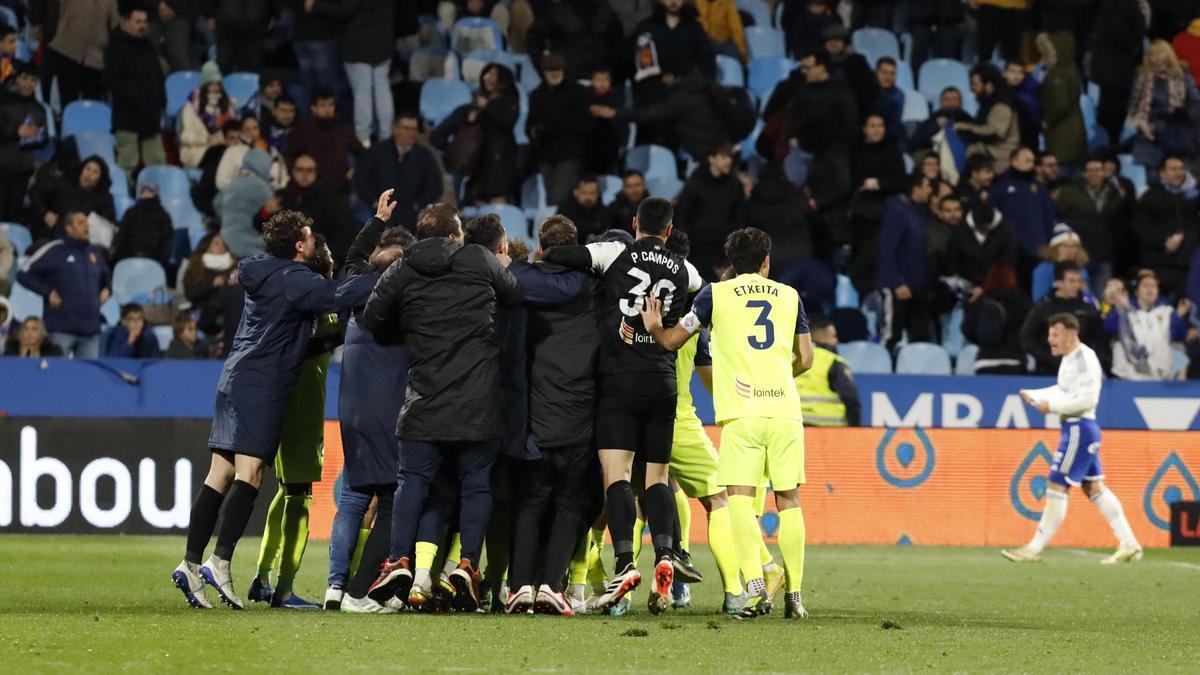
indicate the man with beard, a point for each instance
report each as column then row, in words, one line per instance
column 584, row 209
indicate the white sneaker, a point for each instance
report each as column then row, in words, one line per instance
column 617, row 587
column 333, row 597
column 189, row 582
column 394, row 603
column 520, row 602
column 575, row 596
column 1021, row 555
column 365, row 605
column 216, row 573
column 550, row 601
column 1123, row 555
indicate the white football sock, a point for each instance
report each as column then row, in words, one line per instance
column 1110, row 508
column 422, row 580
column 1053, row 515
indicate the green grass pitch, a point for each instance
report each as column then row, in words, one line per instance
column 105, row 603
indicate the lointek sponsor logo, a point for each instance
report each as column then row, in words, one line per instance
column 33, row 468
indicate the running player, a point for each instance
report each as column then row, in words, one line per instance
column 756, row 402
column 1077, row 460
column 636, row 403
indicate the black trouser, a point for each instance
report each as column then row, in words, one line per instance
column 1003, row 27
column 553, row 490
column 239, row 50
column 76, row 80
column 1110, row 111
column 12, row 195
column 910, row 315
column 378, row 542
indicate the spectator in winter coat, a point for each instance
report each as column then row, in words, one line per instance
column 584, row 209
column 185, row 343
column 781, row 210
column 1121, row 27
column 711, row 205
column 76, row 52
column 876, row 174
column 904, row 265
column 804, row 23
column 824, row 122
column 606, row 138
column 328, row 209
column 1027, row 207
column 328, row 140
column 22, row 133
column 672, row 35
column 1167, row 225
column 403, row 165
column 624, row 206
column 1001, row 23
column 851, row 68
column 249, row 137
column 937, row 30
column 1064, row 246
column 366, row 37
column 495, row 108
column 211, row 272
column 130, row 339
column 1066, row 298
column 239, row 203
column 204, row 191
column 85, row 191
column 949, row 110
column 587, row 33
column 891, row 98
column 982, row 252
column 1143, row 329
column 947, row 211
column 995, row 132
column 206, row 112
column 1062, row 118
column 975, row 184
column 241, row 27
column 73, row 278
column 279, row 122
column 1092, row 206
column 31, row 341
column 145, row 230
column 132, row 74
column 558, row 124
column 1027, row 100
column 314, row 40
column 1164, row 107
column 723, row 24
column 993, row 321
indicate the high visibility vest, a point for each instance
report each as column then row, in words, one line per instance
column 821, row 404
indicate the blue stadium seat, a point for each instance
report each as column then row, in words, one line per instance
column 180, row 86
column 527, row 73
column 513, row 218
column 164, row 334
column 1136, row 173
column 9, row 17
column 1179, row 365
column 846, row 294
column 533, row 195
column 121, row 204
column 916, row 108
column 937, row 74
column 729, row 72
column 757, row 9
column 24, row 302
column 120, row 182
column 875, row 43
column 440, row 96
column 952, row 334
column 135, row 278
column 241, row 86
column 764, row 41
column 111, row 312
column 965, row 363
column 866, row 357
column 474, row 63
column 471, row 33
column 922, row 358
column 652, row 160
column 904, row 76
column 95, row 143
column 767, row 72
column 667, row 187
column 851, row 324
column 610, row 187
column 1097, row 136
column 747, row 145
column 172, row 181
column 81, row 116
column 539, row 217
column 519, row 132
column 17, row 235
column 184, row 215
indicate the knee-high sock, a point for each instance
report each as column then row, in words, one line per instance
column 205, row 509
column 453, row 553
column 239, row 504
column 295, row 539
column 1053, row 515
column 660, row 516
column 720, row 540
column 268, row 553
column 760, row 507
column 683, row 510
column 791, row 545
column 1110, row 508
column 747, row 537
column 356, row 558
column 595, row 561
column 621, row 516
column 639, row 534
column 426, row 552
column 577, row 572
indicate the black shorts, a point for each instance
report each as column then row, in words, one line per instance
column 636, row 413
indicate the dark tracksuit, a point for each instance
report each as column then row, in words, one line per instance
column 903, row 261
column 441, row 303
column 79, row 272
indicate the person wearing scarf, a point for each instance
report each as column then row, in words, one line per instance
column 1164, row 108
column 208, row 108
column 1144, row 326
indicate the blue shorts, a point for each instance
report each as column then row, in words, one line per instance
column 1078, row 456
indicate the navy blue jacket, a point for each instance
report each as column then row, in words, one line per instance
column 902, row 256
column 283, row 300
column 1026, row 207
column 1193, row 279
column 117, row 345
column 79, row 272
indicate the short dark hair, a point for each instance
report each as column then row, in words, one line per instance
column 1043, row 154
column 1097, row 156
column 978, row 162
column 557, row 230
column 654, row 215
column 633, row 172
column 396, row 236
column 6, row 30
column 284, row 98
column 953, row 89
column 821, row 56
column 679, row 243
column 283, row 231
column 486, row 230
column 1163, row 164
column 720, row 147
column 1064, row 319
column 885, row 60
column 817, row 322
column 233, row 124
column 437, row 220
column 747, row 248
column 132, row 308
column 1019, row 149
column 988, row 73
column 917, row 179
column 587, row 178
column 407, row 114
column 1062, row 267
column 322, row 93
column 181, row 322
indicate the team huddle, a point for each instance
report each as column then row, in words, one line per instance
column 488, row 403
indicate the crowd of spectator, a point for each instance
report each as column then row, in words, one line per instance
column 1009, row 199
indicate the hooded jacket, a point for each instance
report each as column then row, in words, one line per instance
column 689, row 108
column 1026, row 207
column 16, row 156
column 368, row 28
column 1066, row 135
column 441, row 304
column 903, row 259
column 239, row 203
column 132, row 74
column 79, row 272
column 558, row 121
column 1033, row 331
column 1117, row 45
column 145, row 232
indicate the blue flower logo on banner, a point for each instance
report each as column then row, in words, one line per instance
column 1029, row 482
column 1166, row 487
column 900, row 464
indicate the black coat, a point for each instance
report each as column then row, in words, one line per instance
column 781, row 210
column 968, row 258
column 883, row 161
column 1091, row 331
column 621, row 213
column 1001, row 342
column 685, row 43
column 709, row 208
column 586, row 32
column 824, row 115
column 145, row 231
column 132, row 74
column 588, row 220
column 242, row 15
column 495, row 173
column 922, row 136
column 310, row 25
column 1097, row 226
column 558, row 121
column 1161, row 214
column 329, row 211
column 62, row 194
column 17, row 159
column 417, row 179
column 1117, row 43
column 854, row 70
column 688, row 107
column 440, row 302
column 368, row 28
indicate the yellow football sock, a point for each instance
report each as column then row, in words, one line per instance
column 639, row 526
column 684, row 509
column 746, row 537
column 595, row 561
column 363, row 533
column 720, row 540
column 760, row 507
column 791, row 544
column 426, row 552
column 453, row 553
column 577, row 570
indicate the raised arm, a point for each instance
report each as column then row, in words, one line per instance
column 673, row 338
column 312, row 293
column 359, row 255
